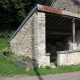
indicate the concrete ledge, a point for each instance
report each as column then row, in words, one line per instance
column 68, row 51
column 28, row 65
column 47, row 54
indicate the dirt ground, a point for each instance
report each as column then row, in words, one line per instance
column 62, row 76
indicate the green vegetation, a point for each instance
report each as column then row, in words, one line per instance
column 13, row 12
column 11, row 15
column 55, row 62
column 48, row 70
column 4, row 37
column 20, row 57
column 8, row 68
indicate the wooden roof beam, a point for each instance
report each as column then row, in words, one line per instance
column 48, row 9
column 59, row 33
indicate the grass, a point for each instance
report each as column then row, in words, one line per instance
column 3, row 43
column 16, row 57
column 60, row 69
column 4, row 37
column 8, row 68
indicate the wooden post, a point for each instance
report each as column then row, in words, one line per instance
column 73, row 30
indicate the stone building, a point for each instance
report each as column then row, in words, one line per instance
column 46, row 32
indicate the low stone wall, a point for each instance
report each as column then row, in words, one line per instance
column 28, row 65
column 43, row 61
column 68, row 58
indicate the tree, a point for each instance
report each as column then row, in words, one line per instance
column 13, row 12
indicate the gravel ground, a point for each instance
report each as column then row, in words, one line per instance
column 62, row 76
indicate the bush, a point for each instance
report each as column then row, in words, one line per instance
column 4, row 37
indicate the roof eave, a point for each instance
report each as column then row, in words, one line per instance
column 45, row 9
column 48, row 9
column 58, row 11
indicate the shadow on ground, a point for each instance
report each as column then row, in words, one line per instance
column 38, row 74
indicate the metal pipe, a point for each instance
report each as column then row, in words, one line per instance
column 52, row 3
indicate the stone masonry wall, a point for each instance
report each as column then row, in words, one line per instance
column 68, row 5
column 22, row 43
column 68, row 58
column 39, row 34
column 39, row 40
column 30, row 40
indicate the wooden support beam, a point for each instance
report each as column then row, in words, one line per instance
column 50, row 9
column 73, row 30
column 59, row 33
column 55, row 22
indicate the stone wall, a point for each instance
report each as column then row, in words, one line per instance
column 22, row 43
column 30, row 40
column 39, row 34
column 40, row 40
column 68, row 5
column 68, row 58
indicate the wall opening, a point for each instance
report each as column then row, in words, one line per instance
column 58, row 28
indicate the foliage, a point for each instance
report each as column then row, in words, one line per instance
column 16, row 57
column 8, row 68
column 4, row 37
column 13, row 12
column 59, row 69
column 48, row 67
column 54, row 61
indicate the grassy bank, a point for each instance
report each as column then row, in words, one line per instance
column 4, row 37
column 8, row 68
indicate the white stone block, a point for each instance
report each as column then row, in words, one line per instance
column 43, row 61
column 41, row 46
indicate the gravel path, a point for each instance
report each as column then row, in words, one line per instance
column 62, row 76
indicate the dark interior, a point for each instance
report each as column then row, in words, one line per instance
column 58, row 27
